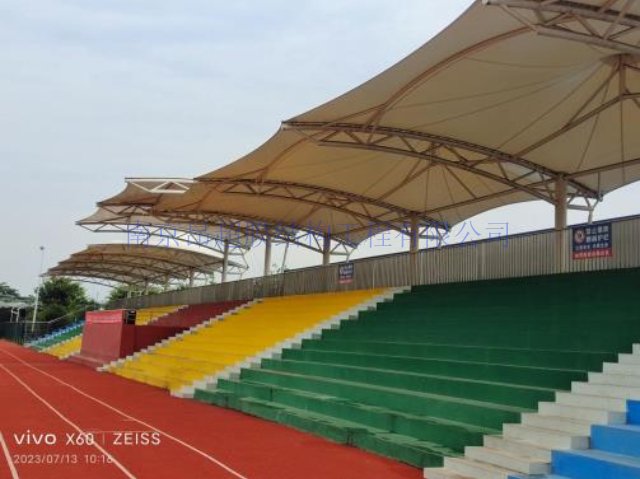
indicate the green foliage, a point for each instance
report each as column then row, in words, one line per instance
column 117, row 293
column 7, row 292
column 122, row 291
column 61, row 296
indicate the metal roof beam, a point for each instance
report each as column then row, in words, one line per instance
column 126, row 265
column 161, row 185
column 106, row 273
column 572, row 20
column 156, row 231
column 249, row 225
column 133, row 259
column 385, row 140
column 318, row 196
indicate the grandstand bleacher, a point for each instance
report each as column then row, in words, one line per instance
column 194, row 314
column 614, row 452
column 149, row 315
column 214, row 347
column 65, row 349
column 515, row 356
column 57, row 336
column 441, row 366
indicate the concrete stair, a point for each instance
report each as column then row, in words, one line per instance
column 544, row 437
column 560, row 427
column 614, row 453
column 591, row 415
column 508, row 460
column 557, row 423
column 610, row 390
column 476, row 469
column 627, row 380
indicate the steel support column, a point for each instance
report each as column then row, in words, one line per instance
column 225, row 261
column 267, row 255
column 326, row 249
column 414, row 246
column 414, row 239
column 561, row 222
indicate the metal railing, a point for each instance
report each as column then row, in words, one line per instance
column 527, row 254
column 27, row 331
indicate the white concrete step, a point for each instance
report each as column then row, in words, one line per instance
column 588, row 400
column 617, row 368
column 628, row 380
column 592, row 415
column 557, row 423
column 475, row 469
column 629, row 359
column 636, row 349
column 545, row 437
column 507, row 460
column 521, row 448
column 606, row 390
column 442, row 473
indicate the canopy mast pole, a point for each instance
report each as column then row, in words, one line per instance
column 414, row 245
column 225, row 261
column 561, row 222
column 414, row 235
column 267, row 254
column 326, row 249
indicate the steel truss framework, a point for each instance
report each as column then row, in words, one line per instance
column 258, row 228
column 162, row 185
column 139, row 264
column 168, row 235
column 536, row 180
column 147, row 230
column 111, row 279
column 608, row 25
column 357, row 206
column 452, row 153
column 244, row 225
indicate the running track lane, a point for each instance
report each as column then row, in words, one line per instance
column 197, row 441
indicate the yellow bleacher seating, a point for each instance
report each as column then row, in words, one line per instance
column 147, row 315
column 66, row 348
column 221, row 344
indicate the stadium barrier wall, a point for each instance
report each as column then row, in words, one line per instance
column 528, row 254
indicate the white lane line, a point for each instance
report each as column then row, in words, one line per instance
column 7, row 454
column 131, row 418
column 68, row 421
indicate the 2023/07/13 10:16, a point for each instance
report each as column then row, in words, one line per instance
column 54, row 459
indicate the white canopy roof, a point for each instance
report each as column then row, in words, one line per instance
column 506, row 101
column 137, row 264
column 516, row 100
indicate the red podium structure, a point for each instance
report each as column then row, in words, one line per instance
column 112, row 334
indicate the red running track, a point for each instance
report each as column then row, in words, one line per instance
column 42, row 398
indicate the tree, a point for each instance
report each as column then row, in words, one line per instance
column 119, row 292
column 61, row 296
column 122, row 292
column 8, row 292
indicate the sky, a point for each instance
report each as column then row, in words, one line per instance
column 93, row 92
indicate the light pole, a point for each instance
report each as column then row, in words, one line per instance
column 35, row 306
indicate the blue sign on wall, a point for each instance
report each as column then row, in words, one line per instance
column 592, row 241
column 345, row 273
